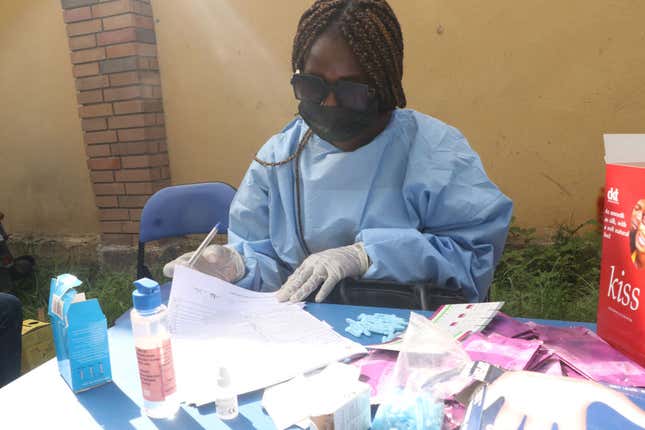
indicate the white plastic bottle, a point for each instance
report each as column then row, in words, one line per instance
column 226, row 406
column 154, row 351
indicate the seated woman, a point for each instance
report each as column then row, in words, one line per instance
column 357, row 186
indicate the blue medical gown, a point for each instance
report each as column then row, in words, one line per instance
column 417, row 197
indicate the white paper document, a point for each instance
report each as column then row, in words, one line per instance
column 260, row 340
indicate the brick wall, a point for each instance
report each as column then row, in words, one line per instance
column 114, row 62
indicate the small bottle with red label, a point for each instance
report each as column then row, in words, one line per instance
column 154, row 350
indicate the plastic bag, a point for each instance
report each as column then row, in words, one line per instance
column 409, row 411
column 427, row 371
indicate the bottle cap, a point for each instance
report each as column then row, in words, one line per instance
column 147, row 296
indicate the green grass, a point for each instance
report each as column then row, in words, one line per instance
column 553, row 280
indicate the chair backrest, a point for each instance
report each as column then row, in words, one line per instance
column 181, row 210
column 186, row 209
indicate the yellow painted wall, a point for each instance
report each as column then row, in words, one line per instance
column 532, row 84
column 44, row 181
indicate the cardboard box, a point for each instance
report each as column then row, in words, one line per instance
column 37, row 344
column 80, row 335
column 332, row 399
column 353, row 414
column 621, row 311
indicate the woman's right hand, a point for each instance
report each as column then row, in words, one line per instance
column 220, row 261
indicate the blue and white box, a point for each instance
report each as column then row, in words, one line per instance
column 80, row 335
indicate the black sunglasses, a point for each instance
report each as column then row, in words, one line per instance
column 351, row 95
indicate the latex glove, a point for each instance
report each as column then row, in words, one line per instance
column 327, row 268
column 220, row 261
column 544, row 400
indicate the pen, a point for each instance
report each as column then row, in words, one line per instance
column 203, row 245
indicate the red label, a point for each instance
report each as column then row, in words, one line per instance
column 156, row 372
column 621, row 312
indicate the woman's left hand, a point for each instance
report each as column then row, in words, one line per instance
column 325, row 268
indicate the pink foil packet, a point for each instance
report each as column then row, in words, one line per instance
column 550, row 366
column 453, row 415
column 540, row 357
column 585, row 353
column 571, row 372
column 375, row 369
column 508, row 326
column 501, row 351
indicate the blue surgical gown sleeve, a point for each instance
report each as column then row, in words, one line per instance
column 462, row 218
column 249, row 227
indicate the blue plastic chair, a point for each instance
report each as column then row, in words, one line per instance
column 181, row 210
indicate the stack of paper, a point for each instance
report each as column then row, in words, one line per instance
column 258, row 339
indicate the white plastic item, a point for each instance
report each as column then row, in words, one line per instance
column 226, row 406
column 154, row 351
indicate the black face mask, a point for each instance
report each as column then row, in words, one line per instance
column 335, row 123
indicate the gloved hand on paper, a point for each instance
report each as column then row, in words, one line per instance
column 220, row 261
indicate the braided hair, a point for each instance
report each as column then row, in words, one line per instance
column 374, row 35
